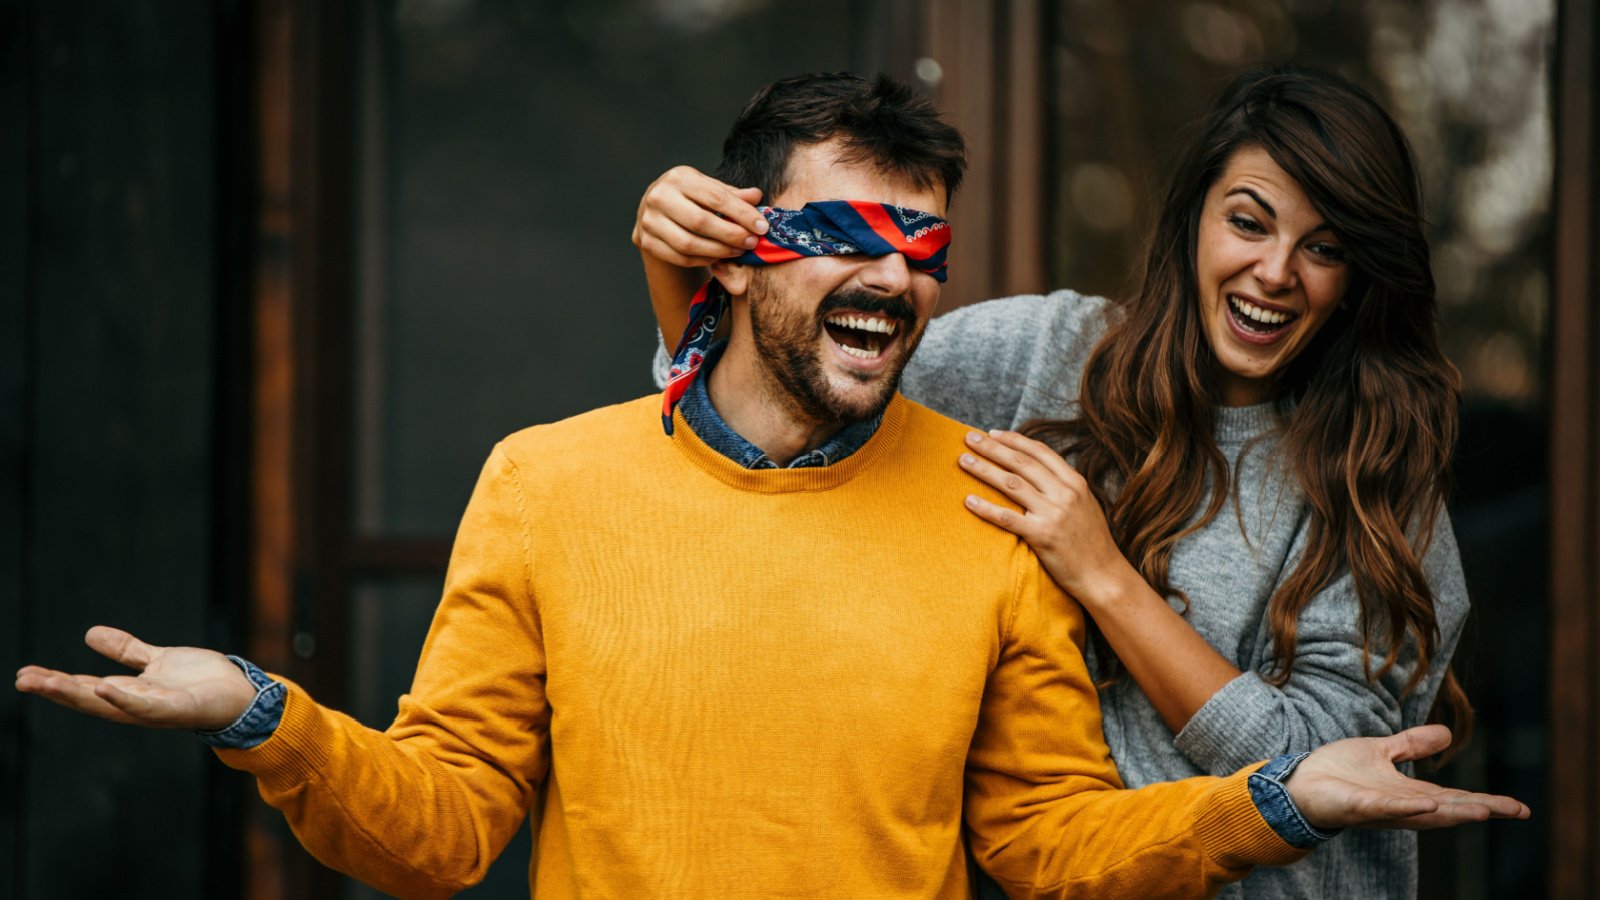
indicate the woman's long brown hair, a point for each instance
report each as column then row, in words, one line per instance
column 1373, row 426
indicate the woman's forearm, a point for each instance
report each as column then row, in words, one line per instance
column 671, row 289
column 1174, row 666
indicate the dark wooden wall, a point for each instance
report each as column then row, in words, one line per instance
column 13, row 424
column 1575, row 462
column 115, row 332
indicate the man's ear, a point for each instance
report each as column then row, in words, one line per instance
column 735, row 277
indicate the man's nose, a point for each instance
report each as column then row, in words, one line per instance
column 888, row 275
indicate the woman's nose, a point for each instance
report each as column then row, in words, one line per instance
column 1275, row 269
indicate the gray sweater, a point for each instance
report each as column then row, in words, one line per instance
column 1001, row 363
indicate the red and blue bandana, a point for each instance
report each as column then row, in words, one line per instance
column 827, row 228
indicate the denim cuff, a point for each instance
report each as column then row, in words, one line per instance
column 259, row 720
column 1273, row 802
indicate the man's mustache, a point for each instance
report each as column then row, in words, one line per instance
column 862, row 301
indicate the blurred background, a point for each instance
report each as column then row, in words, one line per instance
column 275, row 275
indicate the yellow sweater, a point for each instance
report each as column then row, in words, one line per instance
column 745, row 683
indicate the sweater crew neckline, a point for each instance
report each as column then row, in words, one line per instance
column 788, row 481
column 1237, row 424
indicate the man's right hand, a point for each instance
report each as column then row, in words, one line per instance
column 177, row 687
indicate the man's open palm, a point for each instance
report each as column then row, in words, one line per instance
column 177, row 687
column 1354, row 783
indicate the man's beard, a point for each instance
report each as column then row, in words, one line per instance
column 789, row 346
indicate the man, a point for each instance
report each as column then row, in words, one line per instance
column 757, row 656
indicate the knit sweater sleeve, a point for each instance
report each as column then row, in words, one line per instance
column 420, row 810
column 1045, row 807
column 1329, row 695
column 1002, row 362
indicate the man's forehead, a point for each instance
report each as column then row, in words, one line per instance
column 823, row 172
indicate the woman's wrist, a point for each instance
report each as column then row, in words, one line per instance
column 1119, row 586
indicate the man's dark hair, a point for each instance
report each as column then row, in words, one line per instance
column 880, row 122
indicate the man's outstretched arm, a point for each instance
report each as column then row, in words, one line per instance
column 1048, row 817
column 422, row 808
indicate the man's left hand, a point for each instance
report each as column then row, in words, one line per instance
column 1354, row 783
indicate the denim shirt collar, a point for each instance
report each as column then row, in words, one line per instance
column 707, row 424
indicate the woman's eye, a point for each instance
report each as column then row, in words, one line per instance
column 1329, row 252
column 1245, row 223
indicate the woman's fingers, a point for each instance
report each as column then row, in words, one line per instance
column 735, row 206
column 751, row 196
column 1040, row 477
column 685, row 206
column 1002, row 479
column 697, row 219
column 666, row 240
column 1040, row 452
column 1000, row 516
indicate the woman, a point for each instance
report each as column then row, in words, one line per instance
column 1259, row 439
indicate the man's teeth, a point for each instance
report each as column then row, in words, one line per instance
column 862, row 323
column 1250, row 310
column 871, row 351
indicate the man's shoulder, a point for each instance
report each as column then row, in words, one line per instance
column 930, row 444
column 925, row 424
column 927, row 473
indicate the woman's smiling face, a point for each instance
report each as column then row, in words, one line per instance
column 1271, row 273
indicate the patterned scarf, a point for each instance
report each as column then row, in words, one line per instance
column 828, row 228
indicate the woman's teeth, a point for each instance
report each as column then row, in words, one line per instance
column 1267, row 319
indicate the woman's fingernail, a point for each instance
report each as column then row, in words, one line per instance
column 761, row 226
column 968, row 459
column 750, row 242
column 973, row 437
column 971, row 500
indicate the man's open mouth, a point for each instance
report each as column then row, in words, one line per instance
column 1257, row 319
column 860, row 335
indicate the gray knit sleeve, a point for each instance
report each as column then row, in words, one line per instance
column 1000, row 363
column 660, row 363
column 1328, row 696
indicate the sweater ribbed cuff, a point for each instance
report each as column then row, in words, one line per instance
column 297, row 749
column 1233, row 831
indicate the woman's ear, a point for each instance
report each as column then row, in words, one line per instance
column 735, row 277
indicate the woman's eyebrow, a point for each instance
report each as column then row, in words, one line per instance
column 1256, row 197
column 1320, row 226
